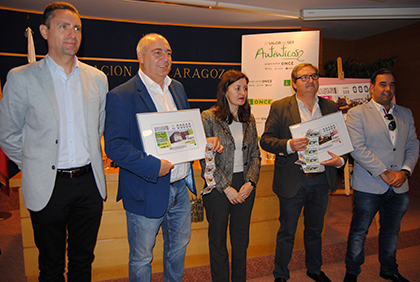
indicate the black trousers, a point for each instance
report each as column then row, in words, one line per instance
column 313, row 198
column 220, row 212
column 73, row 214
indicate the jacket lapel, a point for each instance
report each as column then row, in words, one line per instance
column 375, row 114
column 144, row 94
column 176, row 98
column 47, row 83
column 294, row 110
column 84, row 77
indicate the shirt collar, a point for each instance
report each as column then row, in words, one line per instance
column 300, row 103
column 55, row 67
column 382, row 109
column 149, row 83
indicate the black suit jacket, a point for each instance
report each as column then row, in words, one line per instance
column 288, row 175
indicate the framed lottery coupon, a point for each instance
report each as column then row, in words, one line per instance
column 176, row 136
column 331, row 135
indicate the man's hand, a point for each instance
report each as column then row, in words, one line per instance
column 334, row 161
column 217, row 147
column 165, row 167
column 399, row 179
column 299, row 144
column 388, row 176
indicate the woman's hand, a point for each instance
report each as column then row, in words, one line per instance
column 246, row 190
column 217, row 147
column 233, row 196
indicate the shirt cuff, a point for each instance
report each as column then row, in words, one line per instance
column 342, row 163
column 289, row 148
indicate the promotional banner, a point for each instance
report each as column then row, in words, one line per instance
column 268, row 60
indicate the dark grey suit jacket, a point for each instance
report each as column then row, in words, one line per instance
column 288, row 175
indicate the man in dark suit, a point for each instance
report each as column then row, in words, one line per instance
column 153, row 190
column 51, row 122
column 295, row 188
column 386, row 150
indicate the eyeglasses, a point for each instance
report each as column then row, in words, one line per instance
column 315, row 76
column 391, row 125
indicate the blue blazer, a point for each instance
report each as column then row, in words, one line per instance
column 139, row 186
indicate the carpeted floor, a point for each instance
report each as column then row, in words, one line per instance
column 260, row 269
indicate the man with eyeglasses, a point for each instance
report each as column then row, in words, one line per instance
column 386, row 150
column 295, row 188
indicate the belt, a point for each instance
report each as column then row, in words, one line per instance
column 74, row 172
column 313, row 174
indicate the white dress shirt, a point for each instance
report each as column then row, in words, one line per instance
column 164, row 102
column 72, row 141
column 236, row 129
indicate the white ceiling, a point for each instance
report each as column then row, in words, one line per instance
column 163, row 13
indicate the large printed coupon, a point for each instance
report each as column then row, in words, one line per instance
column 176, row 136
column 331, row 135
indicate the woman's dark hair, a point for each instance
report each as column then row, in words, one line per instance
column 222, row 104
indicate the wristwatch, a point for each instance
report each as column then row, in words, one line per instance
column 252, row 183
column 407, row 173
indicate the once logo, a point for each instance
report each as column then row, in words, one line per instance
column 260, row 101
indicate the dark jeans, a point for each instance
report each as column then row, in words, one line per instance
column 391, row 207
column 73, row 213
column 313, row 197
column 218, row 209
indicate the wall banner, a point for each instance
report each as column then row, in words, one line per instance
column 346, row 92
column 201, row 54
column 268, row 60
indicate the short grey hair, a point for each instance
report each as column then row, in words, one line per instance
column 144, row 42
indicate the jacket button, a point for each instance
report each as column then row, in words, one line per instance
column 244, row 148
column 245, row 164
column 394, row 149
column 56, row 141
column 53, row 167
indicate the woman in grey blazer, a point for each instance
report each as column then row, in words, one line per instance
column 235, row 173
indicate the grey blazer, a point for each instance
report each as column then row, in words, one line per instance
column 288, row 175
column 373, row 150
column 223, row 173
column 29, row 127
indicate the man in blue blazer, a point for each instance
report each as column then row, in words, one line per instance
column 386, row 150
column 51, row 121
column 153, row 190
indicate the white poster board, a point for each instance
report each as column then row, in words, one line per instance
column 268, row 60
column 334, row 136
column 176, row 136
